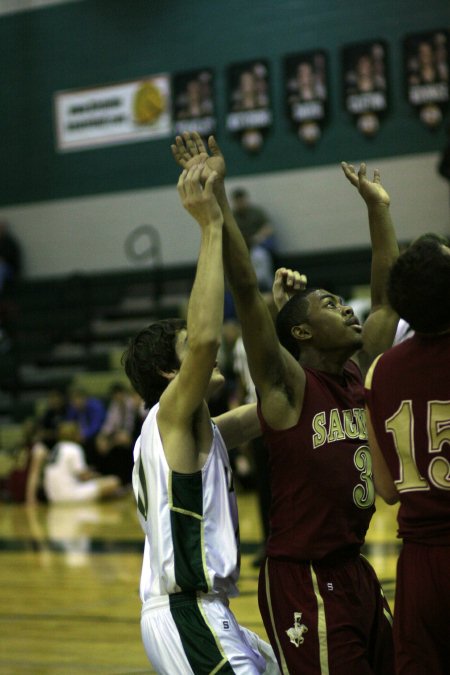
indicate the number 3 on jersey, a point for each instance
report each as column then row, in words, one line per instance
column 364, row 492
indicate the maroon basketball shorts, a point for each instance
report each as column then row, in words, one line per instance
column 328, row 619
column 422, row 610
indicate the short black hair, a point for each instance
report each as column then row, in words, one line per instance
column 149, row 353
column 419, row 285
column 294, row 312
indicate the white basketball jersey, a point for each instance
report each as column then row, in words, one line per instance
column 190, row 520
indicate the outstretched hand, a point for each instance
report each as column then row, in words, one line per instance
column 372, row 192
column 190, row 150
column 285, row 284
column 199, row 201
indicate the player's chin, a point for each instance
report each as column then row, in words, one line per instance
column 358, row 342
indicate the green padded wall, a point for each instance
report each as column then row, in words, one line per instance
column 99, row 42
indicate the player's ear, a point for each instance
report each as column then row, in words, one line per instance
column 169, row 375
column 302, row 332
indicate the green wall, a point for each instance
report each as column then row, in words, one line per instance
column 98, row 42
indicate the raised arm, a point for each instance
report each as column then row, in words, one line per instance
column 198, row 352
column 382, row 477
column 270, row 365
column 379, row 329
column 239, row 425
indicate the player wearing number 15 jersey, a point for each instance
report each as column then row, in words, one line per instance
column 408, row 400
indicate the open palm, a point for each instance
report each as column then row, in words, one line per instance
column 371, row 191
column 189, row 150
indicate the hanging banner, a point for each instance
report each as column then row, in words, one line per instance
column 126, row 112
column 193, row 102
column 249, row 112
column 427, row 66
column 306, row 92
column 365, row 84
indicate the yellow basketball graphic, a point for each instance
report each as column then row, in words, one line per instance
column 149, row 103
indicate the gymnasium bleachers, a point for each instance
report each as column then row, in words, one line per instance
column 74, row 328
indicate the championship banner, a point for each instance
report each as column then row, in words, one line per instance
column 306, row 93
column 427, row 66
column 126, row 112
column 193, row 102
column 365, row 84
column 249, row 112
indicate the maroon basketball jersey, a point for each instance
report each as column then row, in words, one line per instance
column 321, row 481
column 408, row 395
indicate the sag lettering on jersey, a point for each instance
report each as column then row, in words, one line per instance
column 337, row 425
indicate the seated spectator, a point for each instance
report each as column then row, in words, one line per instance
column 89, row 413
column 114, row 443
column 67, row 477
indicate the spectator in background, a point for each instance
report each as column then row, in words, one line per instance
column 89, row 413
column 120, row 429
column 10, row 258
column 24, row 481
column 443, row 166
column 67, row 477
column 258, row 233
column 10, row 270
column 55, row 412
column 38, row 453
column 245, row 393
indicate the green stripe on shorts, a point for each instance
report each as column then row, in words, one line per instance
column 200, row 645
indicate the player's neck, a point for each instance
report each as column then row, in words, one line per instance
column 327, row 361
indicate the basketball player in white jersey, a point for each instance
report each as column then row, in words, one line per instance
column 182, row 478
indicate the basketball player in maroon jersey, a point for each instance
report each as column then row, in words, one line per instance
column 408, row 406
column 321, row 602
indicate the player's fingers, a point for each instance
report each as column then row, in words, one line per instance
column 178, row 156
column 197, row 139
column 181, row 183
column 181, row 148
column 188, row 181
column 289, row 277
column 350, row 173
column 376, row 176
column 190, row 144
column 210, row 183
column 214, row 147
column 193, row 180
column 279, row 275
column 362, row 171
column 298, row 281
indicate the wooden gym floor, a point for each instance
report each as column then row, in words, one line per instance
column 69, row 579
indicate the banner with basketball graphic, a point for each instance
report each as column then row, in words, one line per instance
column 126, row 112
column 427, row 66
column 365, row 82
